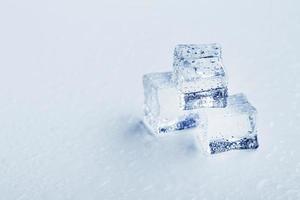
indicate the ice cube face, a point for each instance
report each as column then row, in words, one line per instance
column 200, row 76
column 187, row 51
column 163, row 114
column 230, row 128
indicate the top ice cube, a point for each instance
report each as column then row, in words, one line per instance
column 200, row 76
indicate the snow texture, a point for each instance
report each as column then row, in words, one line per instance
column 71, row 98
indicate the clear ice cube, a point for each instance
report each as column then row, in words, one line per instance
column 230, row 128
column 163, row 114
column 199, row 74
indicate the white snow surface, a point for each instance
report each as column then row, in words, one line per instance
column 71, row 99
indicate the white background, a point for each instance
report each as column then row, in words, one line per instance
column 71, row 99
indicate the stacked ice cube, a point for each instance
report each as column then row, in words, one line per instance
column 194, row 95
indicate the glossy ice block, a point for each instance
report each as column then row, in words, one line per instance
column 163, row 114
column 230, row 128
column 199, row 74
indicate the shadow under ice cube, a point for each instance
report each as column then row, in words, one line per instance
column 230, row 128
column 162, row 111
column 200, row 76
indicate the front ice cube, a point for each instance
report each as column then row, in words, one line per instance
column 202, row 81
column 230, row 128
column 162, row 105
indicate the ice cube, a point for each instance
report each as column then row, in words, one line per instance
column 202, row 81
column 162, row 105
column 230, row 128
column 199, row 74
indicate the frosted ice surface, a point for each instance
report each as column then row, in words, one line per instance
column 199, row 74
column 233, row 127
column 162, row 105
column 187, row 51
